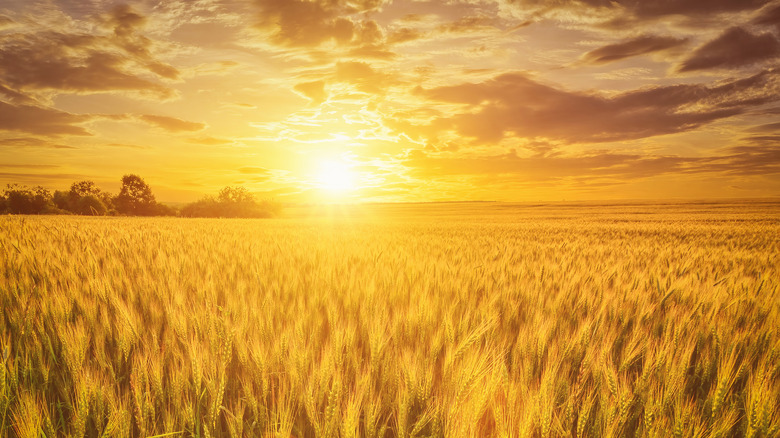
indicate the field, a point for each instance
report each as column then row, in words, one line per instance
column 444, row 320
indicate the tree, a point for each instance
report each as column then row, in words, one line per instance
column 22, row 200
column 90, row 205
column 230, row 202
column 135, row 197
column 61, row 200
column 79, row 191
column 84, row 188
column 235, row 195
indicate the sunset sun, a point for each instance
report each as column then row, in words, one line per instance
column 335, row 177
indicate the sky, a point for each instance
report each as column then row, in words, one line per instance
column 395, row 100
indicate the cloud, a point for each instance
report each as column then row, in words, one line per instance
column 314, row 91
column 658, row 8
column 46, row 60
column 740, row 160
column 29, row 166
column 541, row 168
column 634, row 47
column 23, row 142
column 172, row 124
column 770, row 16
column 125, row 23
column 769, row 127
column 6, row 23
column 364, row 77
column 304, row 23
column 404, row 35
column 41, row 121
column 467, row 24
column 254, row 170
column 515, row 105
column 621, row 13
column 734, row 48
column 42, row 178
column 210, row 141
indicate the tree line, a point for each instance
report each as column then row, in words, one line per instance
column 135, row 198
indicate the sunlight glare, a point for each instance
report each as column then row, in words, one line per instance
column 335, row 177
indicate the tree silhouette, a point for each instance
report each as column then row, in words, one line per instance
column 230, row 202
column 84, row 197
column 135, row 197
column 22, row 200
column 235, row 195
column 84, row 188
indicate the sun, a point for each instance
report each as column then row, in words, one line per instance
column 335, row 177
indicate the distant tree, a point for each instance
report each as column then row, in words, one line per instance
column 22, row 200
column 206, row 207
column 84, row 188
column 61, row 200
column 164, row 210
column 135, row 197
column 235, row 195
column 230, row 202
column 81, row 199
column 90, row 205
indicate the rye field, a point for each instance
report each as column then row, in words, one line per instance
column 445, row 320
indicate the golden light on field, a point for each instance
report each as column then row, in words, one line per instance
column 448, row 320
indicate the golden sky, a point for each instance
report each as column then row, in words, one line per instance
column 395, row 100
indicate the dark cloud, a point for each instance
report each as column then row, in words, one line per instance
column 467, row 25
column 516, row 105
column 306, row 23
column 15, row 96
column 404, row 34
column 602, row 164
column 652, row 8
column 634, row 47
column 41, row 121
column 740, row 160
column 126, row 23
column 29, row 166
column 84, row 63
column 620, row 14
column 770, row 16
column 24, row 142
column 769, row 127
column 172, row 124
column 735, row 48
column 743, row 160
column 41, row 178
column 5, row 22
column 657, row 8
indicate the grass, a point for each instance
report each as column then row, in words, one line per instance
column 486, row 320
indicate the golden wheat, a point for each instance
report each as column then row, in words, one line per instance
column 432, row 321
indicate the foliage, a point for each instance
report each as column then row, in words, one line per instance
column 231, row 202
column 135, row 197
column 502, row 322
column 90, row 205
column 22, row 200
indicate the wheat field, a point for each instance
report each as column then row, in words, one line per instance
column 449, row 320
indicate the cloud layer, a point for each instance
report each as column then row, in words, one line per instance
column 420, row 99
